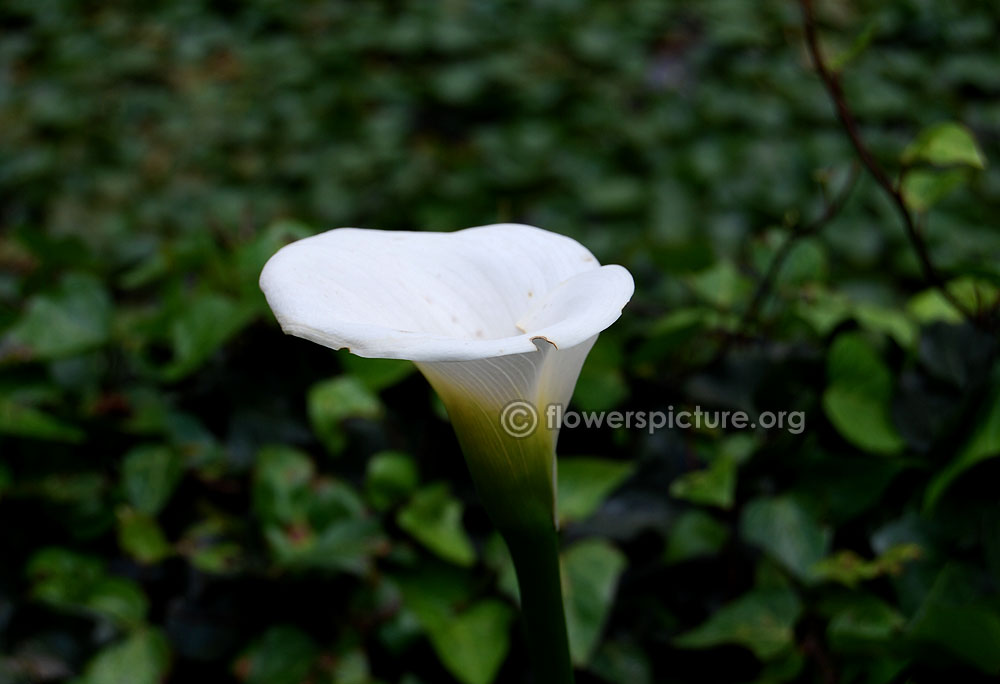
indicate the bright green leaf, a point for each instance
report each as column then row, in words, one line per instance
column 585, row 482
column 857, row 398
column 716, row 484
column 945, row 144
column 333, row 401
column 923, row 188
column 434, row 518
column 141, row 537
column 21, row 419
column 391, row 477
column 77, row 583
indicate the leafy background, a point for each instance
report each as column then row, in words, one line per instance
column 185, row 493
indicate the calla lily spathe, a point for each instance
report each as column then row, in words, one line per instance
column 491, row 315
column 494, row 316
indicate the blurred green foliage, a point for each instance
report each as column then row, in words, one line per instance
column 186, row 494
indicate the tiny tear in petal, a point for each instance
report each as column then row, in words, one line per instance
column 542, row 337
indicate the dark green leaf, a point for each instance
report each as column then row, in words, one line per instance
column 142, row 658
column 333, row 401
column 590, row 577
column 785, row 530
column 762, row 620
column 149, row 475
column 74, row 318
column 434, row 518
column 282, row 655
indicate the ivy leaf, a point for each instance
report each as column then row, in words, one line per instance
column 434, row 518
column 923, row 188
column 470, row 638
column 783, row 528
column 149, row 475
column 200, row 328
column 590, row 576
column 762, row 620
column 695, row 533
column 584, row 483
column 945, row 144
column 857, row 398
column 331, row 402
column 282, row 655
column 75, row 317
column 982, row 445
column 142, row 658
column 951, row 619
column 141, row 537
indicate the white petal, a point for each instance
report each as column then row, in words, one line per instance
column 472, row 294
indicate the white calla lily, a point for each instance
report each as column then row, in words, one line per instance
column 495, row 317
column 491, row 315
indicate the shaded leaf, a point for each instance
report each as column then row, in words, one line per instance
column 983, row 444
column 923, row 188
column 590, row 571
column 951, row 620
column 784, row 529
column 333, row 401
column 761, row 620
column 141, row 537
column 470, row 638
column 390, row 478
column 584, row 483
column 282, row 655
column 863, row 621
column 434, row 518
column 142, row 658
column 74, row 318
column 149, row 475
column 857, row 397
column 695, row 533
column 204, row 323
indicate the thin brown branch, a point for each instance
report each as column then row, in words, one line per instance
column 831, row 82
column 766, row 283
column 831, row 211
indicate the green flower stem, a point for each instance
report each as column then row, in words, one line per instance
column 536, row 559
column 515, row 478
